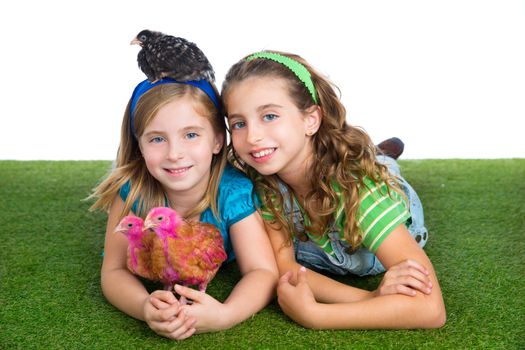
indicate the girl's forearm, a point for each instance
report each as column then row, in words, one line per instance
column 387, row 312
column 327, row 290
column 253, row 292
column 124, row 291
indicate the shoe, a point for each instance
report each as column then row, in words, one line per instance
column 392, row 147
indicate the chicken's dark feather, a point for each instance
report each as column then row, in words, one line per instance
column 164, row 55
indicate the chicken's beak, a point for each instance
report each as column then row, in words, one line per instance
column 135, row 42
column 119, row 229
column 148, row 224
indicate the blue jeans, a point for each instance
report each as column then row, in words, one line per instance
column 362, row 262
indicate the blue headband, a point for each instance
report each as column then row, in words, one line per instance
column 146, row 85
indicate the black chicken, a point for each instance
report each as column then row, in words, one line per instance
column 164, row 55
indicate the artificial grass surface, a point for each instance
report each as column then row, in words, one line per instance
column 50, row 295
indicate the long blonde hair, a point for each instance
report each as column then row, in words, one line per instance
column 342, row 153
column 131, row 167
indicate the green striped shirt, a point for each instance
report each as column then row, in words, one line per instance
column 378, row 214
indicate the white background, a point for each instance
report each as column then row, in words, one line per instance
column 447, row 76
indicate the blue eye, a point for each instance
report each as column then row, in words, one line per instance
column 238, row 125
column 157, row 139
column 270, row 117
column 191, row 135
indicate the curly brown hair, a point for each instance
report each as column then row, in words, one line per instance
column 342, row 153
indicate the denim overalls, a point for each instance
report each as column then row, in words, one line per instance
column 362, row 262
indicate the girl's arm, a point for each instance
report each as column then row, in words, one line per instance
column 389, row 311
column 402, row 278
column 255, row 289
column 123, row 290
column 324, row 288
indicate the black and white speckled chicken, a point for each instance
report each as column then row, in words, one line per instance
column 164, row 55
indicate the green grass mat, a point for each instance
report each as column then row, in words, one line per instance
column 50, row 258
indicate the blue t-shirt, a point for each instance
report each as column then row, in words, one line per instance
column 235, row 202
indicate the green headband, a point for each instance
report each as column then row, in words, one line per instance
column 297, row 68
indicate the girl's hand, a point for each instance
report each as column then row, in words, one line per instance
column 163, row 314
column 298, row 301
column 210, row 314
column 406, row 278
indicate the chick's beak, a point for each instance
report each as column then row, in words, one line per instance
column 135, row 42
column 119, row 229
column 148, row 224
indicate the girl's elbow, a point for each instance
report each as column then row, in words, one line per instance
column 105, row 284
column 440, row 318
column 308, row 325
column 270, row 275
column 436, row 316
column 274, row 271
column 273, row 279
column 303, row 321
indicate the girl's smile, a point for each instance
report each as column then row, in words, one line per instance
column 263, row 155
column 178, row 171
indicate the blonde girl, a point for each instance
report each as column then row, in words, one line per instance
column 172, row 153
